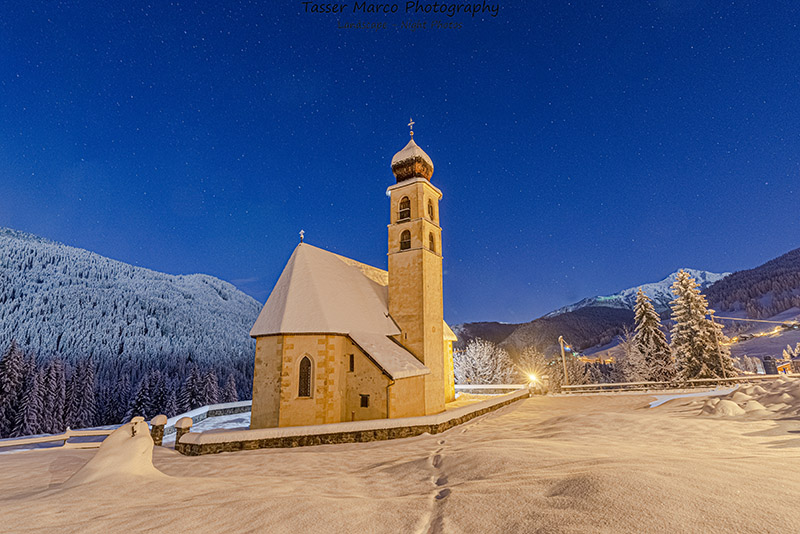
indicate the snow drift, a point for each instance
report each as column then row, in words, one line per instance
column 127, row 452
column 780, row 397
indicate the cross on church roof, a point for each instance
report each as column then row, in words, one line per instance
column 302, row 233
column 411, row 126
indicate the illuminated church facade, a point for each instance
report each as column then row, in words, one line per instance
column 338, row 340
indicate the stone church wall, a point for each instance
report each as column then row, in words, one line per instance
column 267, row 382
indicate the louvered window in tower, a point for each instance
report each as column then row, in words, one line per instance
column 405, row 240
column 405, row 209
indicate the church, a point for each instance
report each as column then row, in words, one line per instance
column 338, row 340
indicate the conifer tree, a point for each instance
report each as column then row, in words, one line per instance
column 697, row 342
column 170, row 406
column 651, row 342
column 29, row 411
column 118, row 400
column 191, row 392
column 210, row 388
column 141, row 403
column 53, row 397
column 158, row 393
column 12, row 375
column 229, row 393
column 81, row 407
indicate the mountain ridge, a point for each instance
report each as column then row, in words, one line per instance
column 58, row 299
column 659, row 292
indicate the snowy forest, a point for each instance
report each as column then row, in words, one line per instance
column 697, row 349
column 762, row 292
column 46, row 396
column 88, row 340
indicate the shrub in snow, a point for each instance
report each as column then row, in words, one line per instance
column 482, row 362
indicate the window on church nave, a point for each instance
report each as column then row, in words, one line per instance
column 405, row 209
column 364, row 401
column 304, row 390
column 405, row 240
column 352, row 362
column 430, row 210
column 431, row 243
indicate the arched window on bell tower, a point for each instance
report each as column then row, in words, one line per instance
column 431, row 243
column 405, row 209
column 430, row 210
column 405, row 240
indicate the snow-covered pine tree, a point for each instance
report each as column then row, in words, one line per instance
column 158, row 393
column 482, row 362
column 697, row 342
column 650, row 341
column 170, row 406
column 53, row 397
column 81, row 407
column 191, row 395
column 210, row 389
column 28, row 420
column 12, row 375
column 118, row 400
column 229, row 393
column 141, row 403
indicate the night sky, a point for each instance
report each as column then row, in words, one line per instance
column 581, row 148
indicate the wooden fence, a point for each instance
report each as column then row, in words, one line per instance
column 675, row 384
column 63, row 438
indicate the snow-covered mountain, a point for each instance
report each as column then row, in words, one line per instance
column 56, row 299
column 658, row 291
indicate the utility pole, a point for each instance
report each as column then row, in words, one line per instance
column 563, row 360
column 719, row 348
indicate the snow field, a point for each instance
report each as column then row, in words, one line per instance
column 604, row 464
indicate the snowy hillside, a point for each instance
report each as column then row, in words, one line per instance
column 764, row 291
column 658, row 291
column 56, row 299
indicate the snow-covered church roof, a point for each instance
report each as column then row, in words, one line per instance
column 320, row 292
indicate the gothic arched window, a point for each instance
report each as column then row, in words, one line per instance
column 304, row 389
column 405, row 209
column 405, row 240
column 431, row 243
column 430, row 210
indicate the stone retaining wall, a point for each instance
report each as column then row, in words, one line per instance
column 214, row 410
column 358, row 436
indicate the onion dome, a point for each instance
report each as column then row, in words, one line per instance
column 412, row 162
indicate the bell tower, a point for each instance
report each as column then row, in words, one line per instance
column 415, row 266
